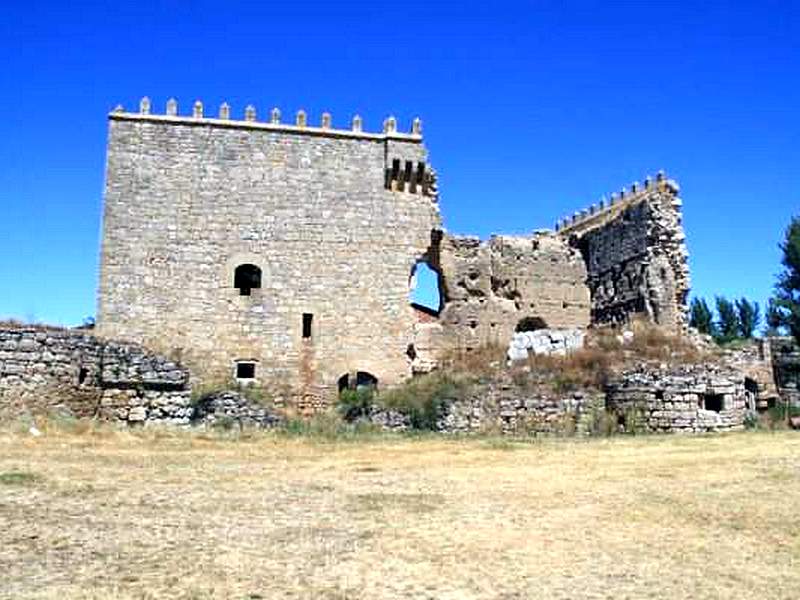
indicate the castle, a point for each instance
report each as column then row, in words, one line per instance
column 266, row 251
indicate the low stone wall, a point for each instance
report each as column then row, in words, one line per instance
column 501, row 406
column 786, row 366
column 682, row 399
column 230, row 407
column 70, row 370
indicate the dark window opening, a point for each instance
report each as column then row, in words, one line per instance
column 411, row 352
column 715, row 402
column 361, row 381
column 530, row 324
column 659, row 394
column 365, row 380
column 245, row 370
column 247, row 277
column 308, row 319
column 750, row 385
column 83, row 373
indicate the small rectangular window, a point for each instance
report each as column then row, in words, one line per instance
column 245, row 370
column 308, row 318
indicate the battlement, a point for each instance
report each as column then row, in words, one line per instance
column 615, row 204
column 249, row 121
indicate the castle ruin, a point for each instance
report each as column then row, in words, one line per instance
column 283, row 253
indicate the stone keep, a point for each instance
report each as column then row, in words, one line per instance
column 283, row 254
column 321, row 226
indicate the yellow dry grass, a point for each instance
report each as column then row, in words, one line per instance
column 105, row 514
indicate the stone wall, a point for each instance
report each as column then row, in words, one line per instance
column 43, row 370
column 334, row 219
column 635, row 253
column 786, row 366
column 689, row 399
column 490, row 287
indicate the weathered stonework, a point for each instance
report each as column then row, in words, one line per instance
column 282, row 253
column 688, row 399
column 335, row 220
column 51, row 369
column 786, row 364
column 491, row 287
column 636, row 256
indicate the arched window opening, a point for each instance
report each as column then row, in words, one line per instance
column 426, row 288
column 366, row 380
column 530, row 324
column 246, row 278
column 361, row 381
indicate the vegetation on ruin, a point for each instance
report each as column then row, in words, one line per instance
column 785, row 309
column 157, row 513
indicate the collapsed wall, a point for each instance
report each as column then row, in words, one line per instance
column 42, row 370
column 688, row 398
column 508, row 284
column 635, row 252
column 786, row 366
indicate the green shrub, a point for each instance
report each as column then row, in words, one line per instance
column 354, row 404
column 423, row 398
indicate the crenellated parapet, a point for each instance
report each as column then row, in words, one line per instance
column 635, row 252
column 610, row 206
column 249, row 119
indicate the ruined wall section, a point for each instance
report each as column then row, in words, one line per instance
column 491, row 286
column 334, row 218
column 44, row 370
column 636, row 256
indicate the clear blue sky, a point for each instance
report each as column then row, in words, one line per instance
column 530, row 110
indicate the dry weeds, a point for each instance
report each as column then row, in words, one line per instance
column 105, row 514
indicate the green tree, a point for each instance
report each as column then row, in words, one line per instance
column 787, row 290
column 700, row 316
column 749, row 314
column 772, row 316
column 727, row 320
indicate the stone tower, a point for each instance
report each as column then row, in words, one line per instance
column 265, row 251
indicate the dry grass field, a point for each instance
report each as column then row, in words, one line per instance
column 108, row 514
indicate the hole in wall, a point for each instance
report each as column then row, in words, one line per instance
column 308, row 319
column 530, row 324
column 426, row 288
column 411, row 352
column 83, row 374
column 245, row 370
column 714, row 402
column 246, row 277
column 363, row 380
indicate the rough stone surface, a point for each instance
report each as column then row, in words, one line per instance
column 786, row 365
column 334, row 220
column 491, row 286
column 48, row 369
column 636, row 257
column 690, row 399
column 228, row 407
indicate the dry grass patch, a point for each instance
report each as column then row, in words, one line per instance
column 182, row 515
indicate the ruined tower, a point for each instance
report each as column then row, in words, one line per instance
column 265, row 251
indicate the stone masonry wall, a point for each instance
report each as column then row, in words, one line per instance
column 686, row 399
column 786, row 366
column 636, row 256
column 42, row 370
column 490, row 287
column 335, row 219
